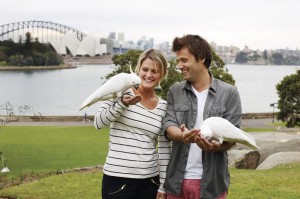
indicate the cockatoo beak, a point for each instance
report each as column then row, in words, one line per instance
column 136, row 86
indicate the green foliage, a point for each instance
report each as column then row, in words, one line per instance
column 241, row 58
column 289, row 99
column 277, row 58
column 265, row 55
column 16, row 60
column 3, row 63
column 28, row 53
column 39, row 59
column 52, row 58
column 2, row 56
column 172, row 77
column 291, row 60
column 28, row 39
column 218, row 71
column 254, row 57
column 3, row 160
column 122, row 62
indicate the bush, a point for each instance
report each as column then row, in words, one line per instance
column 289, row 100
column 3, row 63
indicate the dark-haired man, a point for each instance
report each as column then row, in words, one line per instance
column 198, row 168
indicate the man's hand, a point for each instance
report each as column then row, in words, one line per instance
column 206, row 145
column 189, row 136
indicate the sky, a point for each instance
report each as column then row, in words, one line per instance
column 259, row 24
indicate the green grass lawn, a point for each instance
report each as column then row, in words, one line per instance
column 278, row 183
column 281, row 182
column 258, row 130
column 49, row 148
column 66, row 186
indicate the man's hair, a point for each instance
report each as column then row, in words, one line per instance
column 196, row 45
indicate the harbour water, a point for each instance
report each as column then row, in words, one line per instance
column 61, row 92
column 257, row 85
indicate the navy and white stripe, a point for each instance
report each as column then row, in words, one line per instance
column 135, row 136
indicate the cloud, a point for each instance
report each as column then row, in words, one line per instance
column 260, row 24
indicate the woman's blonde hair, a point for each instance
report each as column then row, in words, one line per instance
column 155, row 55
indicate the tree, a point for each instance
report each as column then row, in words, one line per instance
column 52, row 59
column 28, row 53
column 265, row 55
column 291, row 60
column 277, row 58
column 2, row 56
column 173, row 75
column 122, row 61
column 241, row 58
column 289, row 99
column 39, row 59
column 254, row 56
column 218, row 71
column 28, row 44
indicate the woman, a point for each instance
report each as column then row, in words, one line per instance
column 133, row 165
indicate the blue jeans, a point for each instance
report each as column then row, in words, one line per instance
column 129, row 188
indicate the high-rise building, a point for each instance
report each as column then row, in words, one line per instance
column 121, row 36
column 112, row 35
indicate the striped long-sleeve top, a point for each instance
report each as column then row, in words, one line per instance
column 137, row 146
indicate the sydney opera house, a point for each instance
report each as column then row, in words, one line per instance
column 89, row 46
column 70, row 42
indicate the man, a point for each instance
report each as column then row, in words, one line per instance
column 197, row 167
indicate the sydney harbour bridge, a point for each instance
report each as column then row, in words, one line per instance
column 45, row 31
column 62, row 38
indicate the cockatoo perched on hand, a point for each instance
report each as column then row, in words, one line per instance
column 220, row 129
column 113, row 88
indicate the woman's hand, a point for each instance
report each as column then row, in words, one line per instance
column 161, row 195
column 131, row 100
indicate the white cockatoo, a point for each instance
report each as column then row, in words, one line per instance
column 220, row 129
column 5, row 170
column 113, row 88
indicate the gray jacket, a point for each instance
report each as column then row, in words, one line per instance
column 223, row 100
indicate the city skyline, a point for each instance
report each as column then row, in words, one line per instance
column 264, row 24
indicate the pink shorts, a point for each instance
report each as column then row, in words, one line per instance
column 190, row 190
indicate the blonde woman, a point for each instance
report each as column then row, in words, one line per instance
column 134, row 168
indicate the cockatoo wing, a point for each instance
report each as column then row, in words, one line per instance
column 112, row 88
column 223, row 130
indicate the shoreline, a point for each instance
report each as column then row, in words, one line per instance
column 69, row 63
column 76, row 118
column 20, row 68
column 262, row 123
